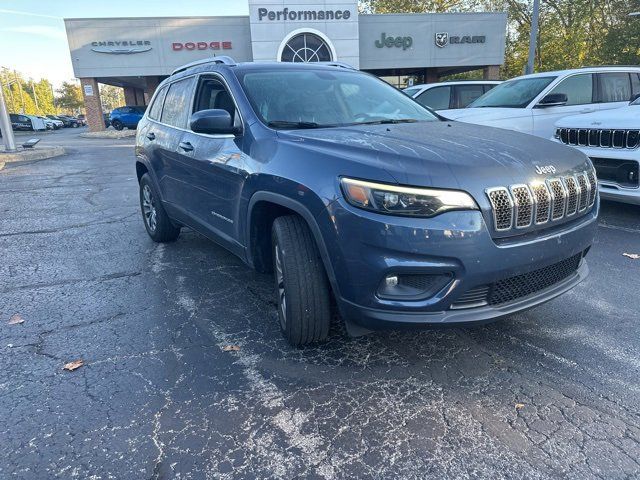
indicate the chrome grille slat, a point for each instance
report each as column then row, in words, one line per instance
column 522, row 205
column 559, row 194
column 593, row 183
column 502, row 206
column 573, row 193
column 584, row 191
column 542, row 200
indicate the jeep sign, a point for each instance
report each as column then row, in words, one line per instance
column 404, row 42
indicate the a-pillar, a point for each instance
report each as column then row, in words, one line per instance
column 92, row 104
column 491, row 72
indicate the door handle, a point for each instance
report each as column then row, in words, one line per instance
column 186, row 146
column 151, row 136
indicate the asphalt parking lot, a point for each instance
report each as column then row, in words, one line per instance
column 551, row 393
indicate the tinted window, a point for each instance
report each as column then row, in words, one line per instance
column 614, row 87
column 577, row 88
column 467, row 94
column 177, row 102
column 156, row 106
column 437, row 98
column 514, row 94
column 489, row 87
column 327, row 97
column 212, row 93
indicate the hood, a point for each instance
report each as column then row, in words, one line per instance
column 482, row 115
column 624, row 118
column 440, row 154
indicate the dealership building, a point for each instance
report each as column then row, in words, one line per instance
column 138, row 53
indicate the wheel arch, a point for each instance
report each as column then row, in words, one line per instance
column 283, row 205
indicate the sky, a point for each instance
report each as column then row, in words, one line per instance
column 33, row 39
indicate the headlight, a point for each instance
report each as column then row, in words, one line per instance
column 408, row 201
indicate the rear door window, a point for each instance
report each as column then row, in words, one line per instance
column 177, row 103
column 437, row 98
column 156, row 106
column 635, row 83
column 614, row 87
column 465, row 94
column 577, row 88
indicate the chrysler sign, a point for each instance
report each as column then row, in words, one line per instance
column 119, row 47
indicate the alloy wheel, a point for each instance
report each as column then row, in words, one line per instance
column 149, row 208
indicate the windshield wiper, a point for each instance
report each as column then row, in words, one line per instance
column 387, row 121
column 288, row 124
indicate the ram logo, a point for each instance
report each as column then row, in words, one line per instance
column 442, row 39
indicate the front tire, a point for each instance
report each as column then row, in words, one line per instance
column 118, row 125
column 156, row 221
column 302, row 287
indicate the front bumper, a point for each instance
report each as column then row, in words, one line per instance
column 366, row 247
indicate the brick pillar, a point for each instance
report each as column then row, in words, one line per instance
column 491, row 72
column 92, row 104
column 431, row 75
column 151, row 85
column 130, row 96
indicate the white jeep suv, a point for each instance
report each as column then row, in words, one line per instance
column 612, row 140
column 534, row 103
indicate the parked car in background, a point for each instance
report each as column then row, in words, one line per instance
column 65, row 123
column 48, row 122
column 534, row 103
column 612, row 140
column 449, row 95
column 128, row 117
column 71, row 121
column 20, row 122
column 343, row 186
column 57, row 124
column 82, row 118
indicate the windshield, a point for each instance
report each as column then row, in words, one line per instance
column 514, row 93
column 311, row 98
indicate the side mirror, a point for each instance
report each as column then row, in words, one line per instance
column 213, row 121
column 553, row 100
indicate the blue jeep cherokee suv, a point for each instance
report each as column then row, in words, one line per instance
column 345, row 187
column 126, row 117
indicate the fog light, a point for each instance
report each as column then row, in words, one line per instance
column 412, row 286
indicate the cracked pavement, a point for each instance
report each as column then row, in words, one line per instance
column 158, row 398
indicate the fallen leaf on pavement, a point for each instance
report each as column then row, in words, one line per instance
column 519, row 406
column 16, row 319
column 633, row 256
column 230, row 348
column 71, row 366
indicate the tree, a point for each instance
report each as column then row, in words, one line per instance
column 44, row 95
column 112, row 97
column 69, row 97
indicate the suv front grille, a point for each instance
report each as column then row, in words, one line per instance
column 599, row 138
column 518, row 206
column 519, row 286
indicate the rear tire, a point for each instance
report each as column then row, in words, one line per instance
column 302, row 287
column 155, row 218
column 117, row 124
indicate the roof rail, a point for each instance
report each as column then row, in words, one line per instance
column 222, row 59
column 610, row 66
column 337, row 64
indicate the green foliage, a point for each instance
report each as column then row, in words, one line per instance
column 111, row 97
column 26, row 95
column 69, row 97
